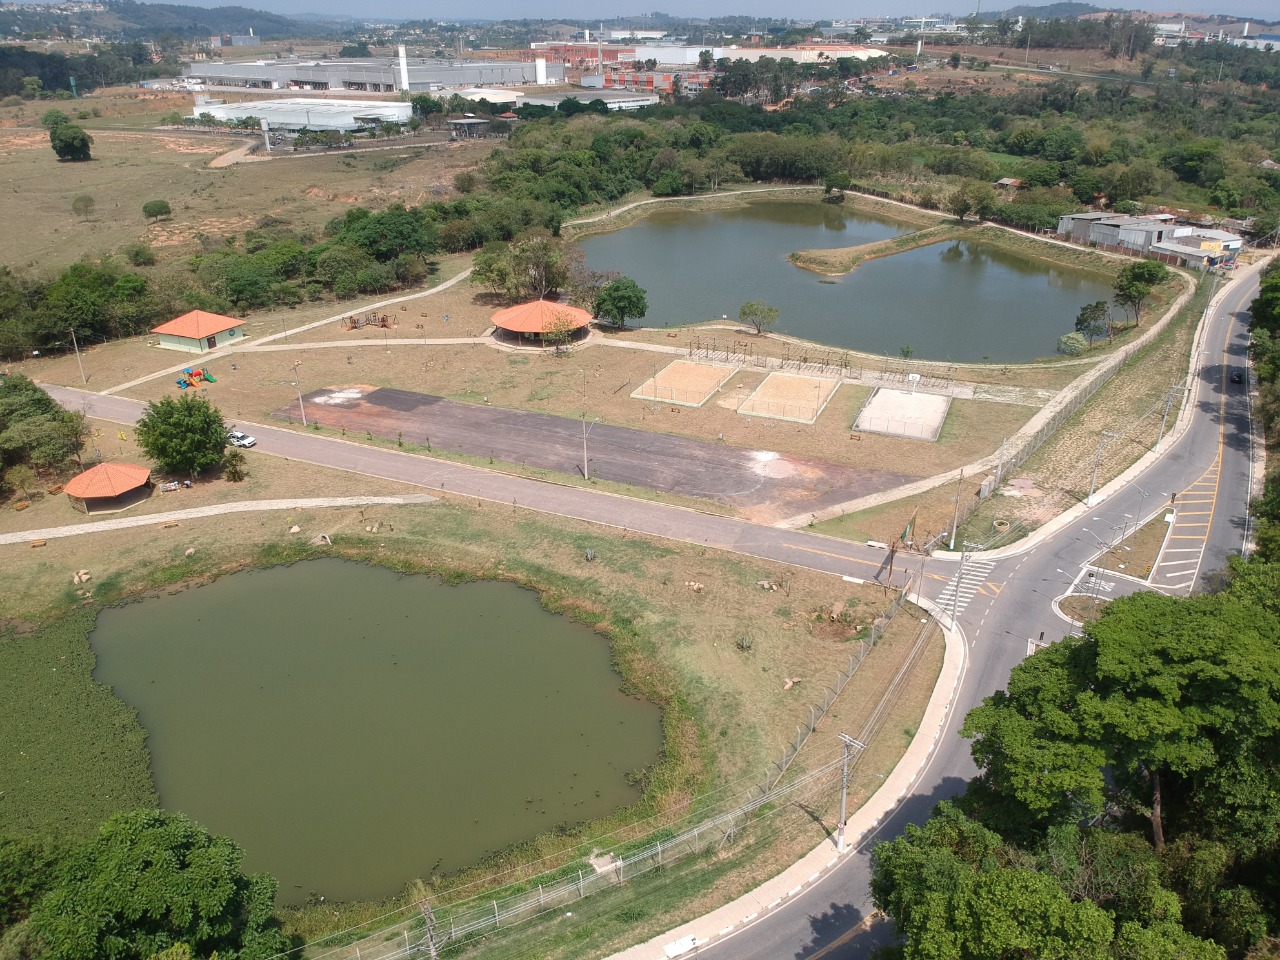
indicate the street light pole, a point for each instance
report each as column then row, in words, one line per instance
column 298, row 386
column 1097, row 461
column 849, row 744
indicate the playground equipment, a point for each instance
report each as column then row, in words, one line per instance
column 369, row 320
column 191, row 376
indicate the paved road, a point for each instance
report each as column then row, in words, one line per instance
column 1005, row 611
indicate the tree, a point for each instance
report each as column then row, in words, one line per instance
column 82, row 206
column 233, row 466
column 149, row 881
column 759, row 314
column 1092, row 320
column 620, row 299
column 53, row 118
column 1135, row 282
column 70, row 142
column 1072, row 344
column 1177, row 700
column 21, row 478
column 185, row 435
column 155, row 209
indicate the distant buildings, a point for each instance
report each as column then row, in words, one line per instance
column 318, row 115
column 373, row 75
column 1159, row 237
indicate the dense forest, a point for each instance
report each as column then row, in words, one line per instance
column 31, row 74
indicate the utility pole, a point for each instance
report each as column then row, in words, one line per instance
column 298, row 386
column 76, row 346
column 955, row 519
column 1168, row 404
column 1097, row 461
column 430, row 919
column 849, row 744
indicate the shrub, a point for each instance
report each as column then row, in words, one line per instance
column 140, row 255
column 1072, row 344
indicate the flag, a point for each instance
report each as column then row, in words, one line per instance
column 910, row 527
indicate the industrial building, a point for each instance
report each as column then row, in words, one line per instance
column 304, row 113
column 374, row 75
column 613, row 99
column 1158, row 236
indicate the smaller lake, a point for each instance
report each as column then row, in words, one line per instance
column 963, row 300
column 352, row 728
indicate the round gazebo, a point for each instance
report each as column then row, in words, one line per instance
column 542, row 321
column 109, row 486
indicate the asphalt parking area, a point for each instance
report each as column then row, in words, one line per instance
column 765, row 486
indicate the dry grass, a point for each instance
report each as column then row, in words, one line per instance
column 269, row 477
column 130, row 168
column 1130, row 405
column 1136, row 554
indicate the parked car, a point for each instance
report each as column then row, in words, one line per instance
column 238, row 439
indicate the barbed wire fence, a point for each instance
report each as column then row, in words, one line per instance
column 819, row 710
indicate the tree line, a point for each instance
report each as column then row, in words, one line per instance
column 1125, row 805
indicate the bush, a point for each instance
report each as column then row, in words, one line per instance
column 1072, row 344
column 140, row 255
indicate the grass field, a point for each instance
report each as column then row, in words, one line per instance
column 130, row 167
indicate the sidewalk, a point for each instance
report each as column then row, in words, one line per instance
column 212, row 510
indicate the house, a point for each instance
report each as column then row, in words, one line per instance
column 198, row 332
column 109, row 486
column 1008, row 183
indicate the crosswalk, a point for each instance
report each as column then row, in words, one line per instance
column 960, row 589
column 1184, row 548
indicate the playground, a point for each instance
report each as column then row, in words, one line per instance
column 193, row 377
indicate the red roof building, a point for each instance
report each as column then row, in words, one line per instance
column 109, row 486
column 198, row 331
column 538, row 318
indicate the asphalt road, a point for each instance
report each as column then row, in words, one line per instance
column 1003, row 604
column 1007, row 611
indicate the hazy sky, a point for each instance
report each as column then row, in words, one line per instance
column 804, row 9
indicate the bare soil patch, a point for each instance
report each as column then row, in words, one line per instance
column 684, row 382
column 789, row 396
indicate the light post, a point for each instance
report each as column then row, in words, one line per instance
column 586, row 431
column 76, row 346
column 849, row 744
column 1097, row 462
column 297, row 385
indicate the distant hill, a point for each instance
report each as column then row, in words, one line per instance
column 1066, row 10
column 129, row 20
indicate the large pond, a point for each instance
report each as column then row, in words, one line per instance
column 353, row 728
column 961, row 300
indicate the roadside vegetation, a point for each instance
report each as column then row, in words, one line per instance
column 1124, row 805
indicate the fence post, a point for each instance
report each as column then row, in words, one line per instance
column 495, row 914
column 580, row 893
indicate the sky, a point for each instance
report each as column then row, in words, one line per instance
column 803, row 9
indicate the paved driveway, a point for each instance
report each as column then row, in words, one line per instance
column 765, row 486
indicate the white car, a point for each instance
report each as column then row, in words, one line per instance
column 238, row 439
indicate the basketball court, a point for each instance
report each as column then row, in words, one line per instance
column 903, row 413
column 790, row 396
column 685, row 383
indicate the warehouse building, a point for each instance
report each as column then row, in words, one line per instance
column 380, row 75
column 613, row 99
column 300, row 113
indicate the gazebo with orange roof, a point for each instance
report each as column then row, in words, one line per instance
column 197, row 331
column 539, row 318
column 109, row 486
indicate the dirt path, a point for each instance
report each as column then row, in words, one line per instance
column 212, row 510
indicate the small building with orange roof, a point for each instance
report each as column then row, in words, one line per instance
column 109, row 486
column 542, row 320
column 198, row 332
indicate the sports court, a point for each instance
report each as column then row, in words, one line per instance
column 685, row 383
column 903, row 413
column 790, row 396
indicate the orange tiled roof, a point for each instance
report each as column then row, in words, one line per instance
column 197, row 325
column 107, row 480
column 539, row 316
